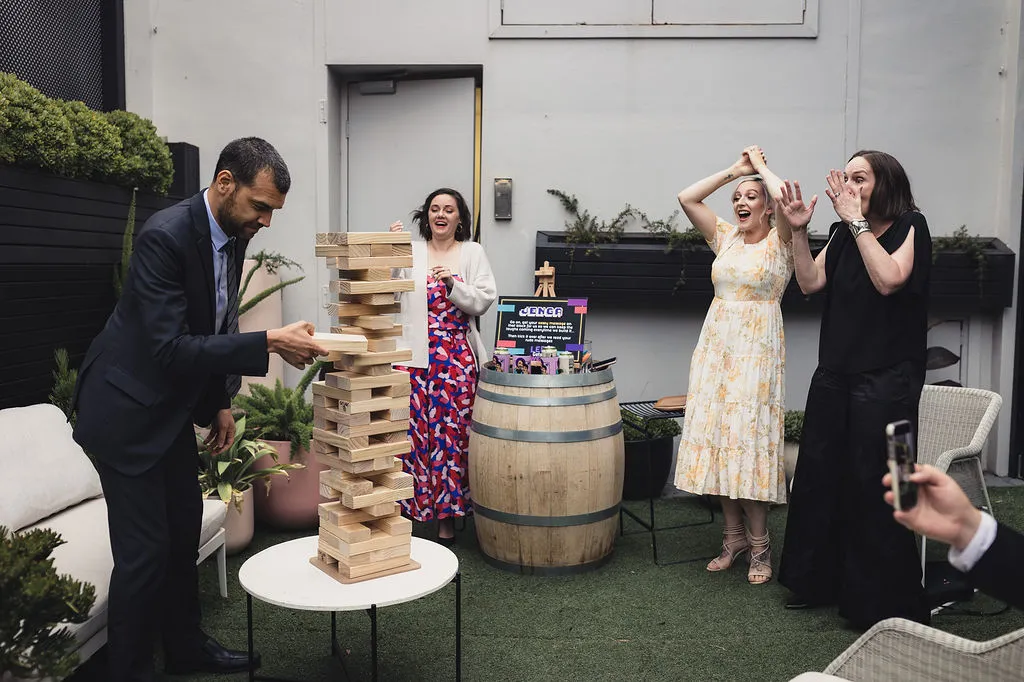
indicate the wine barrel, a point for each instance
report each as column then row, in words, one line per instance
column 546, row 462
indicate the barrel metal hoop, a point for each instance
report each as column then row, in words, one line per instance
column 544, row 521
column 547, row 436
column 548, row 570
column 538, row 401
column 546, row 380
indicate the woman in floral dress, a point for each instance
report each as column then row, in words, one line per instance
column 460, row 287
column 732, row 441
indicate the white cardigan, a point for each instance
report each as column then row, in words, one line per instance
column 473, row 296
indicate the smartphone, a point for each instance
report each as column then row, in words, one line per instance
column 900, row 438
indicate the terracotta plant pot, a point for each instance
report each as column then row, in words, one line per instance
column 238, row 526
column 264, row 315
column 292, row 502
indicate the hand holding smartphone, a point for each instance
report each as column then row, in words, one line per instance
column 900, row 438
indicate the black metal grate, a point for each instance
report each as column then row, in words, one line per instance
column 55, row 45
column 646, row 410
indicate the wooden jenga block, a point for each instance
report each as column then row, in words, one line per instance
column 334, row 423
column 347, row 484
column 371, row 299
column 381, row 345
column 342, row 343
column 381, row 249
column 351, row 381
column 368, row 466
column 350, row 287
column 397, row 414
column 393, row 525
column 335, row 513
column 350, row 238
column 368, row 322
column 394, row 391
column 401, row 250
column 326, row 491
column 387, row 332
column 358, row 360
column 367, row 274
column 378, row 495
column 372, row 451
column 340, row 573
column 395, row 479
column 343, row 262
column 350, row 532
column 394, row 437
column 378, row 540
column 340, row 309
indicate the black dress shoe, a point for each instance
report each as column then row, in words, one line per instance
column 212, row 658
column 445, row 542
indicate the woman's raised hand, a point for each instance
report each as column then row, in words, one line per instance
column 742, row 166
column 756, row 157
column 797, row 214
column 845, row 196
column 396, row 226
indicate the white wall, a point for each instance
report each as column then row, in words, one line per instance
column 932, row 81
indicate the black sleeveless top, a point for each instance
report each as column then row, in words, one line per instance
column 862, row 330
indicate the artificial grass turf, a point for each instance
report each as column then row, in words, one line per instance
column 630, row 620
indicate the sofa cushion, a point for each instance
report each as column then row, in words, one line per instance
column 44, row 469
column 85, row 556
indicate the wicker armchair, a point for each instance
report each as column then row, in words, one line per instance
column 952, row 429
column 903, row 651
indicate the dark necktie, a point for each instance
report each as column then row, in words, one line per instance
column 233, row 381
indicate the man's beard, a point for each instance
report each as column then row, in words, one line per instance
column 226, row 217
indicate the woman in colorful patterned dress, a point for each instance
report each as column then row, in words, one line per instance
column 460, row 288
column 732, row 441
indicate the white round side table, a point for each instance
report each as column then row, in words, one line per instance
column 282, row 576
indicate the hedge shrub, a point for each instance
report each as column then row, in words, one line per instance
column 68, row 138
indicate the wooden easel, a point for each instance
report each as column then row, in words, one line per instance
column 546, row 285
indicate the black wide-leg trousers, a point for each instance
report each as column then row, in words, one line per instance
column 842, row 544
column 155, row 521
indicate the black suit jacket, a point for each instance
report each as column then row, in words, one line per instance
column 158, row 365
column 997, row 572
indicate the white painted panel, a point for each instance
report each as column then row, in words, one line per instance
column 701, row 12
column 401, row 147
column 569, row 12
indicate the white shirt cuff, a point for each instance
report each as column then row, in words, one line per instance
column 983, row 538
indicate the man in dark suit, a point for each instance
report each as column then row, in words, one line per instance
column 169, row 356
column 987, row 552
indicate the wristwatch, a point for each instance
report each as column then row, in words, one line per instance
column 859, row 227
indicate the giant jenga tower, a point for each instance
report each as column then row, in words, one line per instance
column 361, row 411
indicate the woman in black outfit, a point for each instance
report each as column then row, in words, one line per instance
column 842, row 544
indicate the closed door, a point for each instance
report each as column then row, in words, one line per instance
column 403, row 146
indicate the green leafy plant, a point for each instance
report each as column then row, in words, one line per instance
column 682, row 241
column 794, row 425
column 127, row 246
column 34, row 602
column 281, row 414
column 98, row 142
column 64, row 379
column 973, row 246
column 635, row 427
column 146, row 159
column 231, row 473
column 37, row 133
column 68, row 138
column 270, row 262
column 586, row 229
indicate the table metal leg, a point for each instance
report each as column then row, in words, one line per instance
column 248, row 610
column 373, row 638
column 458, row 627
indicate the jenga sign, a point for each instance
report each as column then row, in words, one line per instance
column 361, row 411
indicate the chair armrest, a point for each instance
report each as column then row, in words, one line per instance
column 949, row 456
column 898, row 649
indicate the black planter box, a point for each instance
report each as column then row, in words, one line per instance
column 59, row 242
column 638, row 271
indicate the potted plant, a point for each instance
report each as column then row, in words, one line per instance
column 230, row 476
column 648, row 455
column 34, row 602
column 260, row 305
column 283, row 420
column 794, row 429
